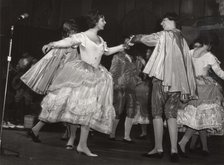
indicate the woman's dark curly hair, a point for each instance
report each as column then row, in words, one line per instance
column 93, row 17
column 208, row 38
column 68, row 27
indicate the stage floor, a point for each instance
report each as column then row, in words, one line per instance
column 52, row 150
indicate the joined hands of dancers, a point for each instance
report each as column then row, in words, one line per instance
column 128, row 42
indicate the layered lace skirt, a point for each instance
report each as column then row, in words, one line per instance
column 207, row 112
column 80, row 94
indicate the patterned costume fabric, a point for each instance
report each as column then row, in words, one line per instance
column 143, row 92
column 125, row 77
column 164, row 101
column 142, row 103
column 207, row 111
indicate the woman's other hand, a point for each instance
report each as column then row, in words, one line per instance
column 47, row 47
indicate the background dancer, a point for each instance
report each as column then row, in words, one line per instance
column 125, row 77
column 205, row 114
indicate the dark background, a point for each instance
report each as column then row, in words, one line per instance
column 123, row 17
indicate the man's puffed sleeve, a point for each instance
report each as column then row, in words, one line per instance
column 151, row 39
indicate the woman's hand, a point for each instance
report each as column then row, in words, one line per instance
column 47, row 47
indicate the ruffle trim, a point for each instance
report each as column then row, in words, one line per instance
column 92, row 120
column 205, row 116
column 56, row 108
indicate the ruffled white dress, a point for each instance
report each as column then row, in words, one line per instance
column 82, row 92
column 207, row 111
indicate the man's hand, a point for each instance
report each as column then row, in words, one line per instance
column 136, row 38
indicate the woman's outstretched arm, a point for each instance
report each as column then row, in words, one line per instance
column 64, row 43
column 114, row 49
column 120, row 48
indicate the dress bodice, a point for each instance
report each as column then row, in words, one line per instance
column 203, row 64
column 90, row 52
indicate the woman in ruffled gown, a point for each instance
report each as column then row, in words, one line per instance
column 82, row 92
column 206, row 113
